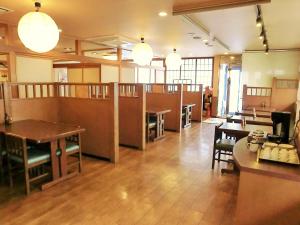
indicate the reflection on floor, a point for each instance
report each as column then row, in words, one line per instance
column 170, row 183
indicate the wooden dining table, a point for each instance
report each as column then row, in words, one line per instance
column 159, row 115
column 261, row 109
column 251, row 113
column 251, row 120
column 187, row 114
column 40, row 132
column 239, row 131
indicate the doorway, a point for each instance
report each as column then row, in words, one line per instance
column 230, row 90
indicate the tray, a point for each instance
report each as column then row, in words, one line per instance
column 261, row 156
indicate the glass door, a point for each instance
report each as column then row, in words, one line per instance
column 230, row 92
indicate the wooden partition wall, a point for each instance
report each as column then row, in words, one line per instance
column 166, row 96
column 256, row 96
column 132, row 113
column 91, row 106
column 193, row 94
column 282, row 95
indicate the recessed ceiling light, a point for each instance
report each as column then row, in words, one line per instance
column 162, row 14
column 1, row 37
column 95, row 53
column 205, row 40
column 196, row 37
column 232, row 57
column 226, row 53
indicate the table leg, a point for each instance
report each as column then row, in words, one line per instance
column 54, row 160
column 157, row 126
column 160, row 126
column 63, row 157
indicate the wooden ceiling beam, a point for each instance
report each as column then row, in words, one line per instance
column 77, row 65
column 54, row 55
column 192, row 6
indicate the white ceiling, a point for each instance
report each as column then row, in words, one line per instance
column 86, row 19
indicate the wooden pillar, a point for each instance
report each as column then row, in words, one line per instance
column 141, row 90
column 180, row 98
column 119, row 58
column 215, row 85
column 8, row 34
column 114, row 111
column 78, row 49
column 12, row 70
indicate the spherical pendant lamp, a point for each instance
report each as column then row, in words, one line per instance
column 38, row 31
column 142, row 53
column 173, row 61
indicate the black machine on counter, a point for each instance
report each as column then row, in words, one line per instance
column 281, row 127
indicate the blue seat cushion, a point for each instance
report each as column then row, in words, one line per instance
column 34, row 155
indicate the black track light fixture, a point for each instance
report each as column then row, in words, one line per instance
column 259, row 21
column 262, row 33
column 267, row 50
column 265, row 42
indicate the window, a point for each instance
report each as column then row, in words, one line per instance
column 193, row 71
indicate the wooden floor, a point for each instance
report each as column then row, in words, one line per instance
column 170, row 183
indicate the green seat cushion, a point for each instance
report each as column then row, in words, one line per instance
column 70, row 146
column 225, row 144
column 151, row 125
column 34, row 156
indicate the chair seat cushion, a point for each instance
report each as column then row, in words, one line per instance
column 225, row 144
column 34, row 156
column 70, row 147
column 151, row 125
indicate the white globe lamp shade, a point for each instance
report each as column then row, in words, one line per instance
column 173, row 61
column 142, row 53
column 38, row 32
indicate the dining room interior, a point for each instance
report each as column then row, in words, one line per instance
column 150, row 112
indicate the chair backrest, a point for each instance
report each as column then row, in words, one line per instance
column 73, row 138
column 16, row 146
column 218, row 132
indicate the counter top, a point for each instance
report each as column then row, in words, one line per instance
column 246, row 161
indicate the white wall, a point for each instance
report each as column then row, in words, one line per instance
column 109, row 74
column 258, row 69
column 34, row 69
column 128, row 75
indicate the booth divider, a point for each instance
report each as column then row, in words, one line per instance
column 256, row 96
column 166, row 96
column 193, row 94
column 92, row 106
column 132, row 115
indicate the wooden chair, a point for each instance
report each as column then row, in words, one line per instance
column 73, row 149
column 223, row 146
column 32, row 161
column 2, row 157
column 151, row 128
